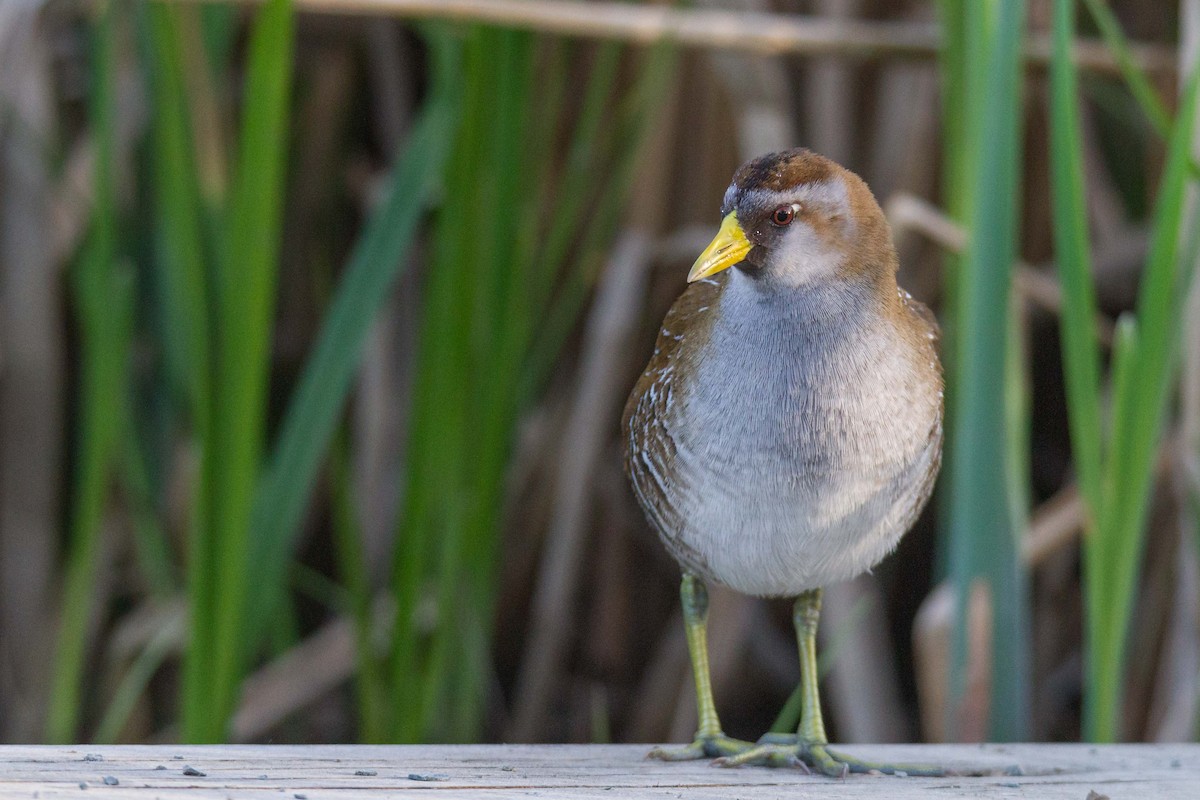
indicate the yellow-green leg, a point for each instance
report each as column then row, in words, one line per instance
column 809, row 747
column 710, row 741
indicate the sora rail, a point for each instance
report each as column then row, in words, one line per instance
column 788, row 428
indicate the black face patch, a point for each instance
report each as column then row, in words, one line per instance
column 755, row 218
column 753, row 263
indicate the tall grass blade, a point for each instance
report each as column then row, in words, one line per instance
column 1116, row 477
column 631, row 125
column 493, row 303
column 319, row 397
column 982, row 532
column 441, row 472
column 133, row 685
column 102, row 294
column 243, row 304
column 1081, row 356
column 181, row 249
column 353, row 569
column 1113, row 555
column 182, row 258
column 1134, row 76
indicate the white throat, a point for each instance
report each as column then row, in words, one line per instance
column 803, row 259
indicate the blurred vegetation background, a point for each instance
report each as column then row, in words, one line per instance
column 317, row 316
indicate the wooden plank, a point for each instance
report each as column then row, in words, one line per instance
column 312, row 772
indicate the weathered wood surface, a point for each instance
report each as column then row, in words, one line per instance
column 1120, row 772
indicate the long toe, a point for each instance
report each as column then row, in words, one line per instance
column 766, row 755
column 719, row 746
column 837, row 764
column 816, row 756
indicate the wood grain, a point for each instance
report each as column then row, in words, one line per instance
column 311, row 772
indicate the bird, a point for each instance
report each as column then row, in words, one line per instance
column 787, row 430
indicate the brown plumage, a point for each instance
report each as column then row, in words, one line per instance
column 796, row 398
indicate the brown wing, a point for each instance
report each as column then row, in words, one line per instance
column 922, row 312
column 930, row 334
column 649, row 449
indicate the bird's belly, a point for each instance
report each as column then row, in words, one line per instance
column 796, row 507
column 778, row 538
column 793, row 456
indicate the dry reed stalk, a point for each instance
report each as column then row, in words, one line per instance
column 760, row 33
column 932, row 639
column 380, row 414
column 1175, row 696
column 613, row 316
column 389, row 63
column 830, row 93
column 907, row 212
column 294, row 680
column 33, row 365
column 1054, row 524
column 863, row 685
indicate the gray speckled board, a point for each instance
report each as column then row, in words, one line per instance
column 137, row 772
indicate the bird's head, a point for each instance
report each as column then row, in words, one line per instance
column 795, row 218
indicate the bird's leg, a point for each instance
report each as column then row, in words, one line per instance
column 810, row 746
column 710, row 741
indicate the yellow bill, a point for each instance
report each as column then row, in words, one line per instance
column 728, row 248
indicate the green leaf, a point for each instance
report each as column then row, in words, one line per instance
column 1081, row 357
column 317, row 402
column 982, row 538
column 1144, row 368
column 243, row 311
column 1138, row 83
column 102, row 295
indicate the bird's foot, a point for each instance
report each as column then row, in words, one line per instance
column 788, row 750
column 704, row 746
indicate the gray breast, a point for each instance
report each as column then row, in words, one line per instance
column 800, row 448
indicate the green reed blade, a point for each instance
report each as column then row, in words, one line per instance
column 632, row 120
column 352, row 567
column 243, row 304
column 1134, row 76
column 589, row 143
column 181, row 279
column 499, row 63
column 982, row 536
column 453, row 324
column 312, row 413
column 180, row 246
column 1104, row 625
column 485, row 299
column 1081, row 356
column 1144, row 369
column 102, row 295
column 133, row 685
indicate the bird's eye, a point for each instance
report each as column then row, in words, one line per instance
column 783, row 215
